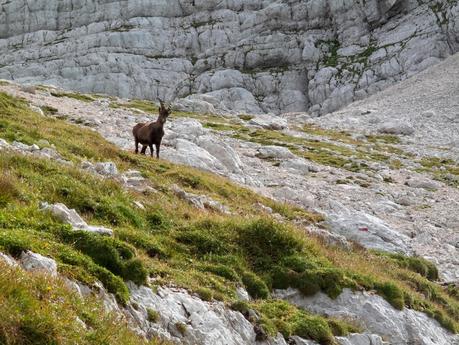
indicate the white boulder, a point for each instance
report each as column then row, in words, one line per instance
column 35, row 262
column 274, row 152
column 70, row 216
column 268, row 121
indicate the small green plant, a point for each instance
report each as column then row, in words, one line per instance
column 205, row 294
column 331, row 48
column 246, row 117
column 222, row 271
column 280, row 316
column 255, row 286
column 181, row 327
column 240, row 306
column 416, row 264
column 152, row 315
column 392, row 294
column 48, row 110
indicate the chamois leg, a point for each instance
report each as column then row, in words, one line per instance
column 144, row 148
column 136, row 146
column 157, row 150
column 151, row 150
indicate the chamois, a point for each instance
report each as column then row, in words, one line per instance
column 151, row 133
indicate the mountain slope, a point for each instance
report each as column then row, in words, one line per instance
column 427, row 104
column 162, row 239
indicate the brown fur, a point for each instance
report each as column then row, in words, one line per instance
column 149, row 134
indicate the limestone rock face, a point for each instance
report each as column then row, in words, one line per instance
column 399, row 327
column 189, row 320
column 234, row 56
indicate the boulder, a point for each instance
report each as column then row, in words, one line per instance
column 4, row 144
column 9, row 260
column 361, row 339
column 70, row 216
column 424, row 183
column 200, row 201
column 35, row 262
column 298, row 165
column 396, row 128
column 295, row 196
column 368, row 230
column 274, row 152
column 195, row 105
column 106, row 168
column 268, row 121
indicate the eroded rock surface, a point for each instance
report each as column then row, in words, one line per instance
column 399, row 327
column 237, row 56
column 34, row 262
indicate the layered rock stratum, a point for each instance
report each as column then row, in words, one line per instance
column 242, row 56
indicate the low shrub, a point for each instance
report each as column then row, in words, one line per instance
column 392, row 293
column 204, row 293
column 222, row 271
column 255, row 286
column 280, row 316
column 240, row 306
column 181, row 327
column 266, row 242
column 135, row 271
column 152, row 315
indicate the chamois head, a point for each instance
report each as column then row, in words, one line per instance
column 164, row 111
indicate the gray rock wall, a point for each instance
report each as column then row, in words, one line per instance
column 245, row 56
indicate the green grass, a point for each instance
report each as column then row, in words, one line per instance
column 137, row 104
column 208, row 253
column 318, row 151
column 153, row 315
column 383, row 138
column 443, row 169
column 416, row 264
column 37, row 309
column 280, row 316
column 74, row 95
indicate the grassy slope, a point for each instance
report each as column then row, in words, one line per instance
column 37, row 309
column 205, row 252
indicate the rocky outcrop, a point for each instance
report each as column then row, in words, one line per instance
column 70, row 216
column 46, row 151
column 189, row 320
column 34, row 262
column 242, row 56
column 201, row 202
column 399, row 327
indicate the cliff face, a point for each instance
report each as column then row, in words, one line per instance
column 248, row 56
